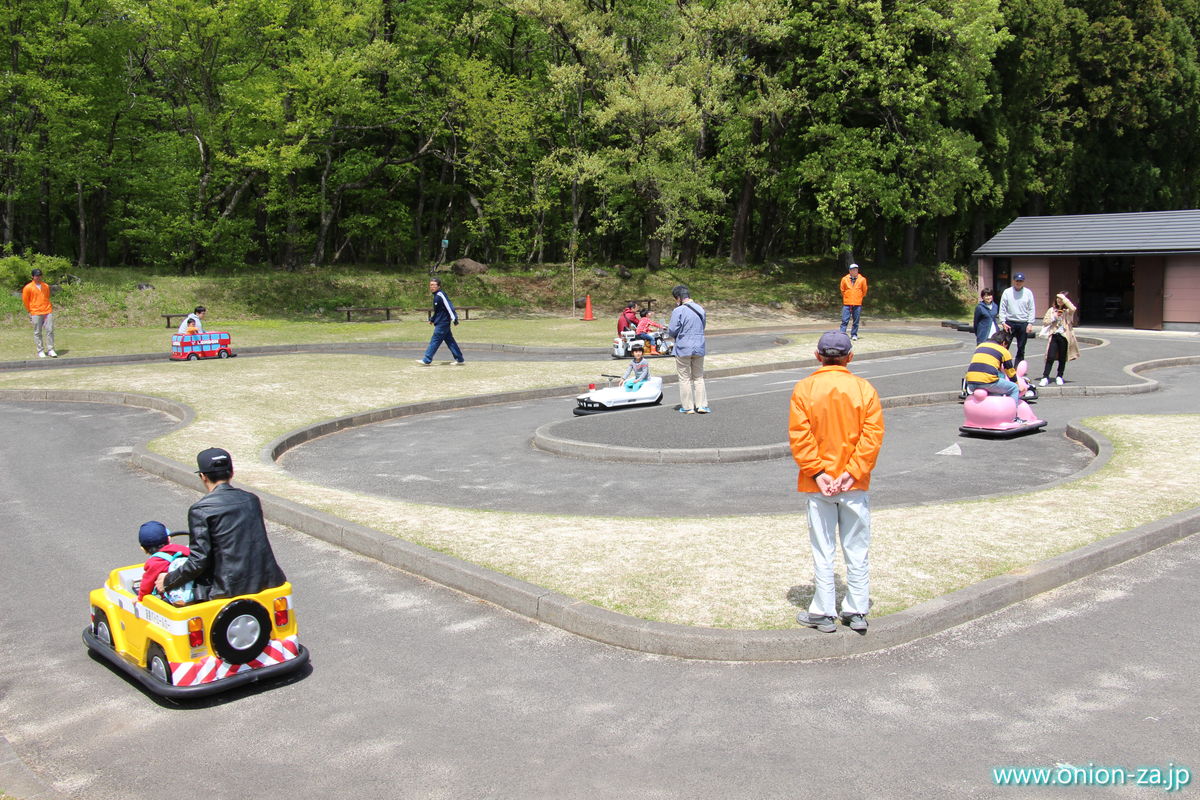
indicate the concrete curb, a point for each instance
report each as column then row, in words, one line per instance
column 691, row 642
column 544, row 439
column 336, row 347
column 273, row 451
column 275, row 349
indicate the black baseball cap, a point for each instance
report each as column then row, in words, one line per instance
column 214, row 459
column 35, row 272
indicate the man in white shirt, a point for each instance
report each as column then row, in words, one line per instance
column 1017, row 312
column 195, row 318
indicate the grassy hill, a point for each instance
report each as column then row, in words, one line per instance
column 123, row 297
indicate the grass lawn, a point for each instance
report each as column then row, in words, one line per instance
column 16, row 341
column 721, row 571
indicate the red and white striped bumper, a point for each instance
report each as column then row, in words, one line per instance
column 211, row 668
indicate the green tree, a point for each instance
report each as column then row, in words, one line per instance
column 890, row 90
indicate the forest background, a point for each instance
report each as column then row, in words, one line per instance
column 205, row 135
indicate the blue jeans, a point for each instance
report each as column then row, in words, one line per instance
column 1001, row 386
column 851, row 313
column 441, row 333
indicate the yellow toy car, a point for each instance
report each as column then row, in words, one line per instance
column 197, row 649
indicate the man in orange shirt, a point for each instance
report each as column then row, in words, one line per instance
column 36, row 297
column 854, row 290
column 835, row 429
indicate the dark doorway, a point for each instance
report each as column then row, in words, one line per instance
column 1148, row 277
column 1001, row 275
column 1107, row 285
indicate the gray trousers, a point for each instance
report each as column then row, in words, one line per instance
column 43, row 323
column 692, row 394
column 846, row 516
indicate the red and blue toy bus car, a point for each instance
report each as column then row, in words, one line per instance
column 193, row 346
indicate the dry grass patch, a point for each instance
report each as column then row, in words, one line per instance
column 725, row 572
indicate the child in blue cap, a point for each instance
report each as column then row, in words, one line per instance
column 155, row 539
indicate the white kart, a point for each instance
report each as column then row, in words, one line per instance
column 614, row 397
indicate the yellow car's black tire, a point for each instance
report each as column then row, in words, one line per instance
column 101, row 629
column 240, row 631
column 157, row 664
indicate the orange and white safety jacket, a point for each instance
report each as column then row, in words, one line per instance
column 835, row 426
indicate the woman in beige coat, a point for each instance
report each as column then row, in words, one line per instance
column 1058, row 326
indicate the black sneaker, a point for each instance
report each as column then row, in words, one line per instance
column 856, row 622
column 823, row 624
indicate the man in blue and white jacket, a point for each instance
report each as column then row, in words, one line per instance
column 441, row 317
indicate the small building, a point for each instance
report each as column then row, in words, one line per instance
column 1140, row 270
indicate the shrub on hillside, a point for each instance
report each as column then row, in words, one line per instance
column 14, row 270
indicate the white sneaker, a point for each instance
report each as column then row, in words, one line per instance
column 53, row 354
column 41, row 354
column 1043, row 382
column 1056, row 380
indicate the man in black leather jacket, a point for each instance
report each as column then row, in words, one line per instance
column 230, row 552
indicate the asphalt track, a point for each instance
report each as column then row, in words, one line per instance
column 419, row 692
column 483, row 457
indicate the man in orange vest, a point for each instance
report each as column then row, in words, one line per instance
column 835, row 429
column 854, row 289
column 36, row 297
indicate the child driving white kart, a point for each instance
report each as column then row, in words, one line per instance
column 638, row 371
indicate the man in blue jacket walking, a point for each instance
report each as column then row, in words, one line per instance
column 441, row 317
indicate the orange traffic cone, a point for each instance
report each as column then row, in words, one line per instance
column 587, row 309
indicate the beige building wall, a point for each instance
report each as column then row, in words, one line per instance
column 1037, row 276
column 1181, row 290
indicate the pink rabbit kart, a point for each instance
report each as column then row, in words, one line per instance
column 991, row 415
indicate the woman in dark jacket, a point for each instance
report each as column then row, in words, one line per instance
column 985, row 317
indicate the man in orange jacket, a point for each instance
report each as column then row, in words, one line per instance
column 854, row 291
column 36, row 297
column 835, row 429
